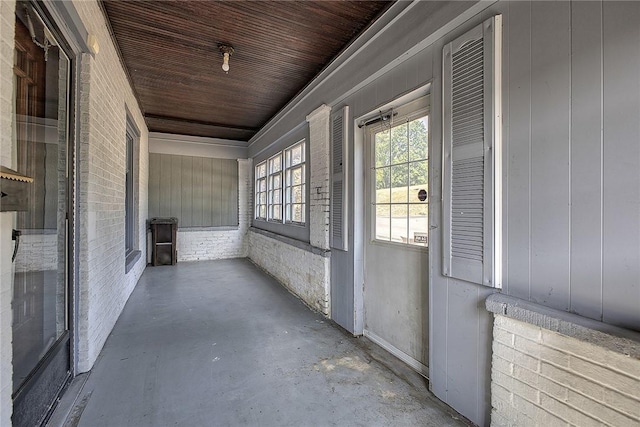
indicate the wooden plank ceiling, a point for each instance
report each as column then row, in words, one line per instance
column 170, row 49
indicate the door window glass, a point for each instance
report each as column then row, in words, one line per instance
column 400, row 176
column 41, row 88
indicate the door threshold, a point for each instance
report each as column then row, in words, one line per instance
column 416, row 365
column 68, row 402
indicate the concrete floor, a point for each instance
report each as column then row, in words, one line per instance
column 220, row 343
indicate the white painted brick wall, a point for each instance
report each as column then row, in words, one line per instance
column 319, row 185
column 302, row 272
column 540, row 377
column 7, row 28
column 37, row 252
column 219, row 244
column 104, row 96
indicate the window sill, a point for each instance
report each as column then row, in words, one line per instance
column 131, row 260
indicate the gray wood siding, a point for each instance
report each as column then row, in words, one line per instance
column 573, row 155
column 200, row 192
column 620, row 288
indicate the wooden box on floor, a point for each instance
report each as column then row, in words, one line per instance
column 163, row 240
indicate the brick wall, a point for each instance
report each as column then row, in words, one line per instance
column 302, row 268
column 105, row 96
column 37, row 252
column 7, row 25
column 199, row 245
column 303, row 272
column 541, row 377
column 319, row 164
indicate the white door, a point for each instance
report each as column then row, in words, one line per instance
column 396, row 227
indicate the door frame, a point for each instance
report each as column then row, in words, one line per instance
column 64, row 22
column 360, row 209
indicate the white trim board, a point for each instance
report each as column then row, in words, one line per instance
column 195, row 146
column 419, row 367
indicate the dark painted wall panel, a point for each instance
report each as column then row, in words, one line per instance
column 200, row 192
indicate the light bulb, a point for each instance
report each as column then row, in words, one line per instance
column 225, row 63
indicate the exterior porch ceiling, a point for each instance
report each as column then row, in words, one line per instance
column 171, row 52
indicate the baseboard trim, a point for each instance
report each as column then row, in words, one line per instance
column 419, row 367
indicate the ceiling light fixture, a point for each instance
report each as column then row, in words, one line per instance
column 227, row 51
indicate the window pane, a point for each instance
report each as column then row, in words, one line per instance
column 262, row 199
column 383, row 185
column 418, row 224
column 295, row 155
column 275, row 164
column 296, row 176
column 276, row 181
column 297, row 194
column 263, row 211
column 276, row 212
column 261, row 170
column 399, row 232
column 399, row 144
column 297, row 214
column 383, row 222
column 263, row 184
column 276, row 196
column 418, row 139
column 418, row 176
column 382, row 148
column 399, row 184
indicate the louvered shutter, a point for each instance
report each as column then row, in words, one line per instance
column 339, row 217
column 472, row 172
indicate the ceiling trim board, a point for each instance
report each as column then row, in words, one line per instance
column 199, row 122
column 193, row 146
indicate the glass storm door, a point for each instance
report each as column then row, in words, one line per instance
column 40, row 284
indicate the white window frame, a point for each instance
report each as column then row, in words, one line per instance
column 288, row 185
column 272, row 174
column 285, row 204
column 259, row 179
column 409, row 115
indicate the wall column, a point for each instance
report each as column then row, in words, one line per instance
column 318, row 219
column 319, row 185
